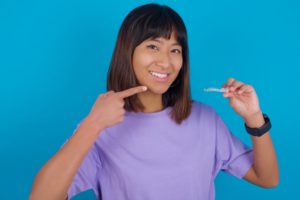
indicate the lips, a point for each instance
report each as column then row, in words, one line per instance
column 157, row 74
column 161, row 77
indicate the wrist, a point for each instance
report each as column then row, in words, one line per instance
column 255, row 120
column 257, row 126
column 92, row 124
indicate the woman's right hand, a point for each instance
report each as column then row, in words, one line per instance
column 108, row 109
column 55, row 177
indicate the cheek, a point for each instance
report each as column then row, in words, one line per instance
column 178, row 62
column 141, row 61
column 177, row 65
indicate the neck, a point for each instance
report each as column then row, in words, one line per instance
column 152, row 102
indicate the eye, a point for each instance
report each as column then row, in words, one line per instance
column 152, row 46
column 178, row 51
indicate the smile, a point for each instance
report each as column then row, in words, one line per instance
column 159, row 75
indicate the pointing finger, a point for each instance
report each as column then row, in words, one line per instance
column 132, row 91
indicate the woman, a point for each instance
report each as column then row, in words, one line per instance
column 146, row 138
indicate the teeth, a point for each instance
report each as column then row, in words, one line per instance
column 158, row 74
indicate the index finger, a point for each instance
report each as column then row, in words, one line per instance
column 132, row 91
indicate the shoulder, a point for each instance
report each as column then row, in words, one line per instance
column 203, row 108
column 204, row 114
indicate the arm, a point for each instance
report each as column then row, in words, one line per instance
column 54, row 178
column 243, row 99
column 264, row 172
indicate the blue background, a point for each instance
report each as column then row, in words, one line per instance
column 54, row 57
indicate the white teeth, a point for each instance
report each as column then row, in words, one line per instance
column 158, row 74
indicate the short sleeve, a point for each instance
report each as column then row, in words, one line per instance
column 232, row 156
column 86, row 176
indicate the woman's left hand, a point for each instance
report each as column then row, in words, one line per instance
column 242, row 98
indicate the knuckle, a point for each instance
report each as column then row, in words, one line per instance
column 118, row 95
column 115, row 97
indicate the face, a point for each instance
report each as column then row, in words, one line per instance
column 157, row 62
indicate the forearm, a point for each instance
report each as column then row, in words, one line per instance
column 56, row 175
column 265, row 161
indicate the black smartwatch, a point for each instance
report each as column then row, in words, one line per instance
column 261, row 130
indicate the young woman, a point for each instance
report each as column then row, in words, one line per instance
column 146, row 138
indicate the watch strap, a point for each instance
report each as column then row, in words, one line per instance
column 261, row 130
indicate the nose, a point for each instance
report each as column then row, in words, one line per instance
column 163, row 60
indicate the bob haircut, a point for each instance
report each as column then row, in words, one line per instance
column 142, row 23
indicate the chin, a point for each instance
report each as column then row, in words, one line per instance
column 157, row 90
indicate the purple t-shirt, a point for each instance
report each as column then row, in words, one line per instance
column 148, row 156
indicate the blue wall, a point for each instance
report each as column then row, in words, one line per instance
column 54, row 56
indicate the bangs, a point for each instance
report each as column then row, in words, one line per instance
column 142, row 23
column 161, row 23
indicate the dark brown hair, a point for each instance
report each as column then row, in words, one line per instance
column 142, row 23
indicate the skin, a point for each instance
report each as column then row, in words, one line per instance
column 55, row 177
column 163, row 55
column 160, row 55
column 244, row 101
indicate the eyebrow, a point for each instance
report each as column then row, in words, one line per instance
column 159, row 41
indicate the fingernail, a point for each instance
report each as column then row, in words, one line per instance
column 144, row 88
